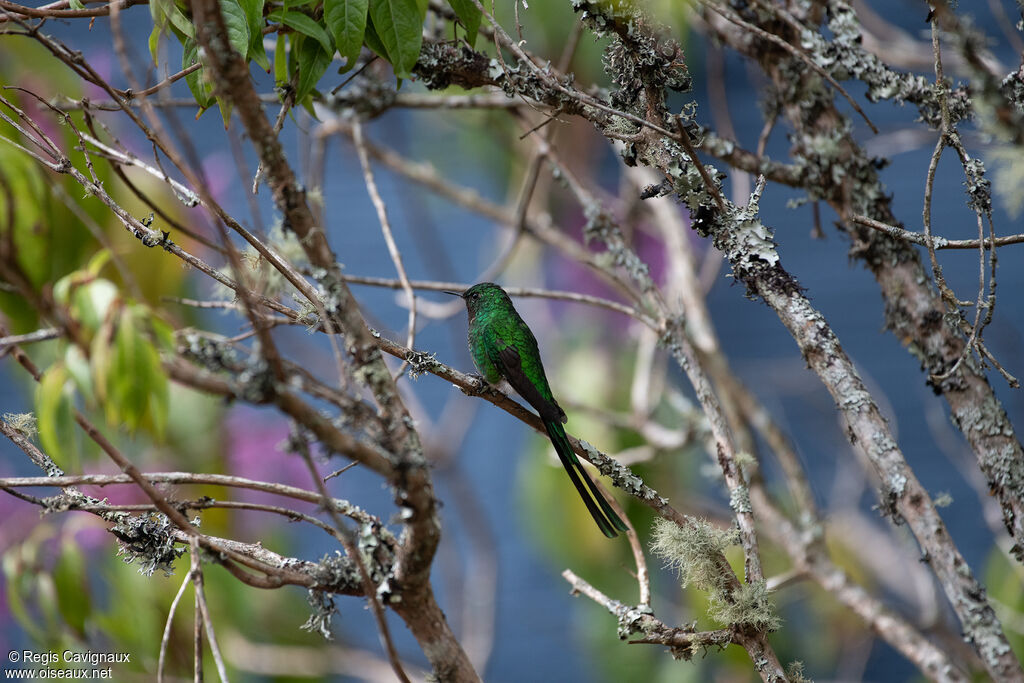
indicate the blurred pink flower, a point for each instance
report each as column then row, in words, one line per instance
column 253, row 451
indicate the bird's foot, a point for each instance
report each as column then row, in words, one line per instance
column 476, row 383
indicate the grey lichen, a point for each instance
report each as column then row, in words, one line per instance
column 692, row 550
column 443, row 64
column 746, row 462
column 686, row 178
column 979, row 188
column 1005, row 469
column 749, row 605
column 622, row 477
column 642, row 58
column 256, row 378
column 365, row 97
column 378, row 557
column 212, row 355
column 897, row 484
column 147, row 540
column 795, row 673
column 23, row 423
column 844, row 57
column 745, row 240
column 332, row 289
column 632, row 620
column 337, row 573
column 981, row 621
column 322, row 604
column 420, row 363
column 739, row 500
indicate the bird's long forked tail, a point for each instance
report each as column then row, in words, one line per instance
column 609, row 522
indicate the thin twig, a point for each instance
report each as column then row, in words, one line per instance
column 389, row 238
column 173, row 78
column 684, row 139
column 197, row 625
column 642, row 620
column 42, row 334
column 643, row 578
column 168, row 627
column 355, row 553
column 731, row 16
column 49, row 11
column 197, row 583
column 926, row 240
column 502, row 38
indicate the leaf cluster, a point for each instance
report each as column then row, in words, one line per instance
column 310, row 33
column 114, row 361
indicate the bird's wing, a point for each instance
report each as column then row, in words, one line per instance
column 506, row 358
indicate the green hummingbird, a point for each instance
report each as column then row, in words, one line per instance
column 503, row 347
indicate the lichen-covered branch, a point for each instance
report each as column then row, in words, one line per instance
column 825, row 147
column 810, row 556
column 409, row 474
column 902, row 494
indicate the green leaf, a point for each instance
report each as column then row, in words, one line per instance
column 19, row 576
column 87, row 297
column 163, row 334
column 399, row 25
column 127, row 403
column 373, row 41
column 80, row 371
column 181, row 22
column 137, row 385
column 258, row 54
column 254, row 17
column 346, row 20
column 62, row 289
column 160, row 396
column 90, row 303
column 237, row 24
column 201, row 90
column 73, row 597
column 280, row 60
column 225, row 111
column 469, row 15
column 46, row 601
column 159, row 402
column 54, row 411
column 76, row 4
column 164, row 13
column 306, row 26
column 101, row 359
column 154, row 36
column 312, row 62
column 99, row 260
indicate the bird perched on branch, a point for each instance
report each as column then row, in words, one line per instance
column 503, row 347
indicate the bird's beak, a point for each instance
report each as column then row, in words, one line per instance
column 458, row 294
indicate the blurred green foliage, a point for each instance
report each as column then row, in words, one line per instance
column 63, row 582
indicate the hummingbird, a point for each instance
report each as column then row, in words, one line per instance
column 503, row 347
